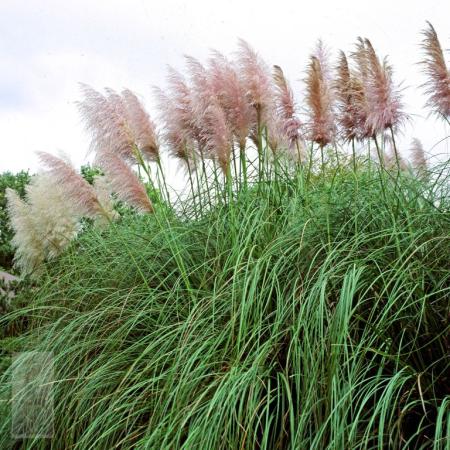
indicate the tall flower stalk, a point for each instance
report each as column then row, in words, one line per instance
column 382, row 103
column 257, row 81
column 286, row 111
column 320, row 100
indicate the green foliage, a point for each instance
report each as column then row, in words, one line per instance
column 89, row 172
column 18, row 182
column 305, row 312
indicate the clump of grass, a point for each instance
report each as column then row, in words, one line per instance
column 286, row 303
column 297, row 316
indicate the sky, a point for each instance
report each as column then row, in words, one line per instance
column 48, row 46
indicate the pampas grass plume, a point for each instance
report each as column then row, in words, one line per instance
column 385, row 108
column 256, row 79
column 124, row 182
column 285, row 107
column 78, row 190
column 231, row 94
column 438, row 75
column 419, row 161
column 44, row 225
column 319, row 99
column 143, row 128
column 27, row 241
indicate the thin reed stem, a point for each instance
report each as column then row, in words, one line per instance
column 243, row 165
column 354, row 155
column 310, row 163
column 397, row 159
column 382, row 167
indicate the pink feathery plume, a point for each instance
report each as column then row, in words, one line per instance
column 359, row 84
column 209, row 116
column 385, row 109
column 199, row 76
column 78, row 190
column 105, row 120
column 178, row 140
column 438, row 76
column 216, row 135
column 279, row 140
column 202, row 94
column 133, row 118
column 143, row 128
column 319, row 100
column 124, row 182
column 183, row 98
column 257, row 80
column 348, row 96
column 285, row 107
column 231, row 94
column 322, row 53
column 419, row 161
column 276, row 134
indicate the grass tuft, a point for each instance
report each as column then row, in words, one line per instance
column 302, row 312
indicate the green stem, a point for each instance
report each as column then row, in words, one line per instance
column 192, row 186
column 322, row 158
column 382, row 167
column 299, row 154
column 259, row 141
column 397, row 159
column 354, row 155
column 310, row 163
column 234, row 156
column 161, row 171
column 243, row 164
column 205, row 175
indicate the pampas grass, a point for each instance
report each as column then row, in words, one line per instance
column 231, row 93
column 79, row 192
column 229, row 102
column 124, row 182
column 210, row 118
column 119, row 124
column 143, row 128
column 178, row 141
column 419, row 161
column 54, row 216
column 385, row 108
column 283, row 306
column 103, row 190
column 349, row 95
column 437, row 86
column 105, row 122
column 256, row 77
column 257, row 81
column 287, row 114
column 305, row 314
column 319, row 99
column 44, row 225
column 29, row 247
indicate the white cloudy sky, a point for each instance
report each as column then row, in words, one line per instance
column 48, row 46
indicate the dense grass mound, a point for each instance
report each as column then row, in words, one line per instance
column 304, row 314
